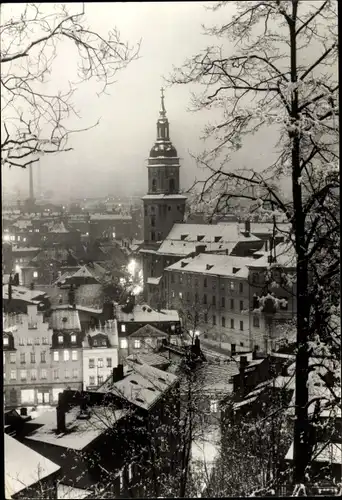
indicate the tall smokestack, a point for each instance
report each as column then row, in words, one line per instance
column 31, row 182
column 39, row 180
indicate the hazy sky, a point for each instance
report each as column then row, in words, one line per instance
column 112, row 156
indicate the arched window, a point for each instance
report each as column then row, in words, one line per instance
column 154, row 185
column 171, row 185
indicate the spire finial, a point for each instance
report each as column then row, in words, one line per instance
column 162, row 110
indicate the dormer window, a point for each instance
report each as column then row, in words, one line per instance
column 94, row 342
column 104, row 343
column 60, row 339
column 200, row 237
column 217, row 239
column 183, row 236
column 73, row 339
column 5, row 340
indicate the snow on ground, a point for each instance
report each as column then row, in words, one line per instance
column 204, row 453
column 67, row 492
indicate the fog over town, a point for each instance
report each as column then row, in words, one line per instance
column 171, row 249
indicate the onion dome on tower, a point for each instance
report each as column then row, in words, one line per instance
column 163, row 147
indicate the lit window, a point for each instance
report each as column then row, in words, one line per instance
column 123, row 343
column 91, row 363
column 73, row 339
column 27, row 395
column 74, row 355
column 23, row 374
column 5, row 340
column 55, row 355
column 66, row 356
column 213, row 406
column 35, row 274
column 13, row 374
column 109, row 362
column 137, row 344
column 123, row 328
column 60, row 339
column 232, row 285
column 180, row 295
column 43, row 374
column 33, row 374
column 100, row 363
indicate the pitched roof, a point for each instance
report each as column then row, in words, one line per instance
column 148, row 331
column 213, row 264
column 149, row 358
column 142, row 313
column 65, row 319
column 142, row 386
column 23, row 466
column 22, row 293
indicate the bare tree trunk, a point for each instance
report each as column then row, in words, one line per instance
column 301, row 430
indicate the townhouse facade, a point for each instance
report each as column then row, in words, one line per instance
column 27, row 359
column 100, row 355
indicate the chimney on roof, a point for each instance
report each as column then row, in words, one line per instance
column 241, row 377
column 255, row 352
column 118, row 373
column 200, row 249
column 60, row 410
column 248, row 227
column 196, row 348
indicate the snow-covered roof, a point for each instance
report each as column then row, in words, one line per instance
column 25, row 249
column 148, row 331
column 56, row 227
column 95, row 217
column 323, row 452
column 65, row 319
column 23, row 466
column 213, row 264
column 142, row 386
column 149, row 358
column 22, row 293
column 80, row 432
column 267, row 228
column 143, row 313
column 183, row 238
column 154, row 281
column 285, row 257
column 70, row 493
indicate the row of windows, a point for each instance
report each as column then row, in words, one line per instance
column 205, row 300
column 30, row 341
column 256, row 321
column 32, row 358
column 42, row 374
column 232, row 285
column 73, row 339
column 99, row 380
column 100, row 363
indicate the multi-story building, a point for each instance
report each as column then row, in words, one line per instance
column 66, row 351
column 120, row 441
column 26, row 345
column 218, row 296
column 100, row 355
column 131, row 318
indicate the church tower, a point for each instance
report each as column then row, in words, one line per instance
column 163, row 204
